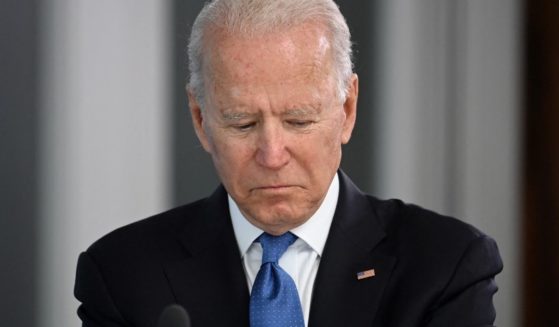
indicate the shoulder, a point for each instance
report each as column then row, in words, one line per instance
column 403, row 224
column 441, row 265
column 430, row 247
column 419, row 225
column 416, row 225
column 145, row 238
column 123, row 273
column 437, row 255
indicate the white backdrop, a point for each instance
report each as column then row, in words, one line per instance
column 104, row 132
column 447, row 133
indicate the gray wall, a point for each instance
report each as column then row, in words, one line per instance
column 18, row 161
column 193, row 173
column 447, row 134
column 104, row 132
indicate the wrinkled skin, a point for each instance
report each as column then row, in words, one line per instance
column 273, row 122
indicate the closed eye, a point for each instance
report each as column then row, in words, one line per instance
column 244, row 127
column 299, row 123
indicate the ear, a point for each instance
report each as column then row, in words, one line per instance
column 350, row 108
column 198, row 121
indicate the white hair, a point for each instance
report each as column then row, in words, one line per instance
column 249, row 17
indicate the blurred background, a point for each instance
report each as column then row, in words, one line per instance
column 458, row 112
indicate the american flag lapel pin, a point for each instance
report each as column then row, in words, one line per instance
column 366, row 274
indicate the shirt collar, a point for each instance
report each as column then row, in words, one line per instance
column 314, row 231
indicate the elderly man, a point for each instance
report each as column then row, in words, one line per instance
column 287, row 239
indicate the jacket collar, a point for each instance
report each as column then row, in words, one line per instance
column 212, row 276
column 210, row 282
column 339, row 297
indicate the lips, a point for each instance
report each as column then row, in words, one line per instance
column 273, row 187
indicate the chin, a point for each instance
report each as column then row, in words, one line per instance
column 278, row 219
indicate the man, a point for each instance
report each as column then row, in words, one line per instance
column 287, row 235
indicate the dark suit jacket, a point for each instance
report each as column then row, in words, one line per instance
column 430, row 270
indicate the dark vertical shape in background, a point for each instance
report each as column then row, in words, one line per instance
column 541, row 164
column 18, row 159
column 193, row 173
column 455, row 70
column 357, row 159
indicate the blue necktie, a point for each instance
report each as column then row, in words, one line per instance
column 274, row 301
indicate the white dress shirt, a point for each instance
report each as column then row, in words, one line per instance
column 301, row 259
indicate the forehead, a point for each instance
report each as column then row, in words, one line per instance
column 298, row 54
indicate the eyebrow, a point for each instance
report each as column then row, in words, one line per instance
column 300, row 112
column 236, row 115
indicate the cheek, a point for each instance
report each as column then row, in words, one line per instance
column 331, row 136
column 231, row 156
column 319, row 154
column 329, row 148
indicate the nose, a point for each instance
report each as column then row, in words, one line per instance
column 272, row 149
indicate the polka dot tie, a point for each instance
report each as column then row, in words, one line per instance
column 274, row 301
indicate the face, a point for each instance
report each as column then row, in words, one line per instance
column 273, row 122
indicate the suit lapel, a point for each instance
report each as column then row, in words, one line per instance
column 210, row 282
column 339, row 297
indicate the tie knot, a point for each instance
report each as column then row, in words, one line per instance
column 274, row 246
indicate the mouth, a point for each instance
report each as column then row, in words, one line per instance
column 274, row 188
